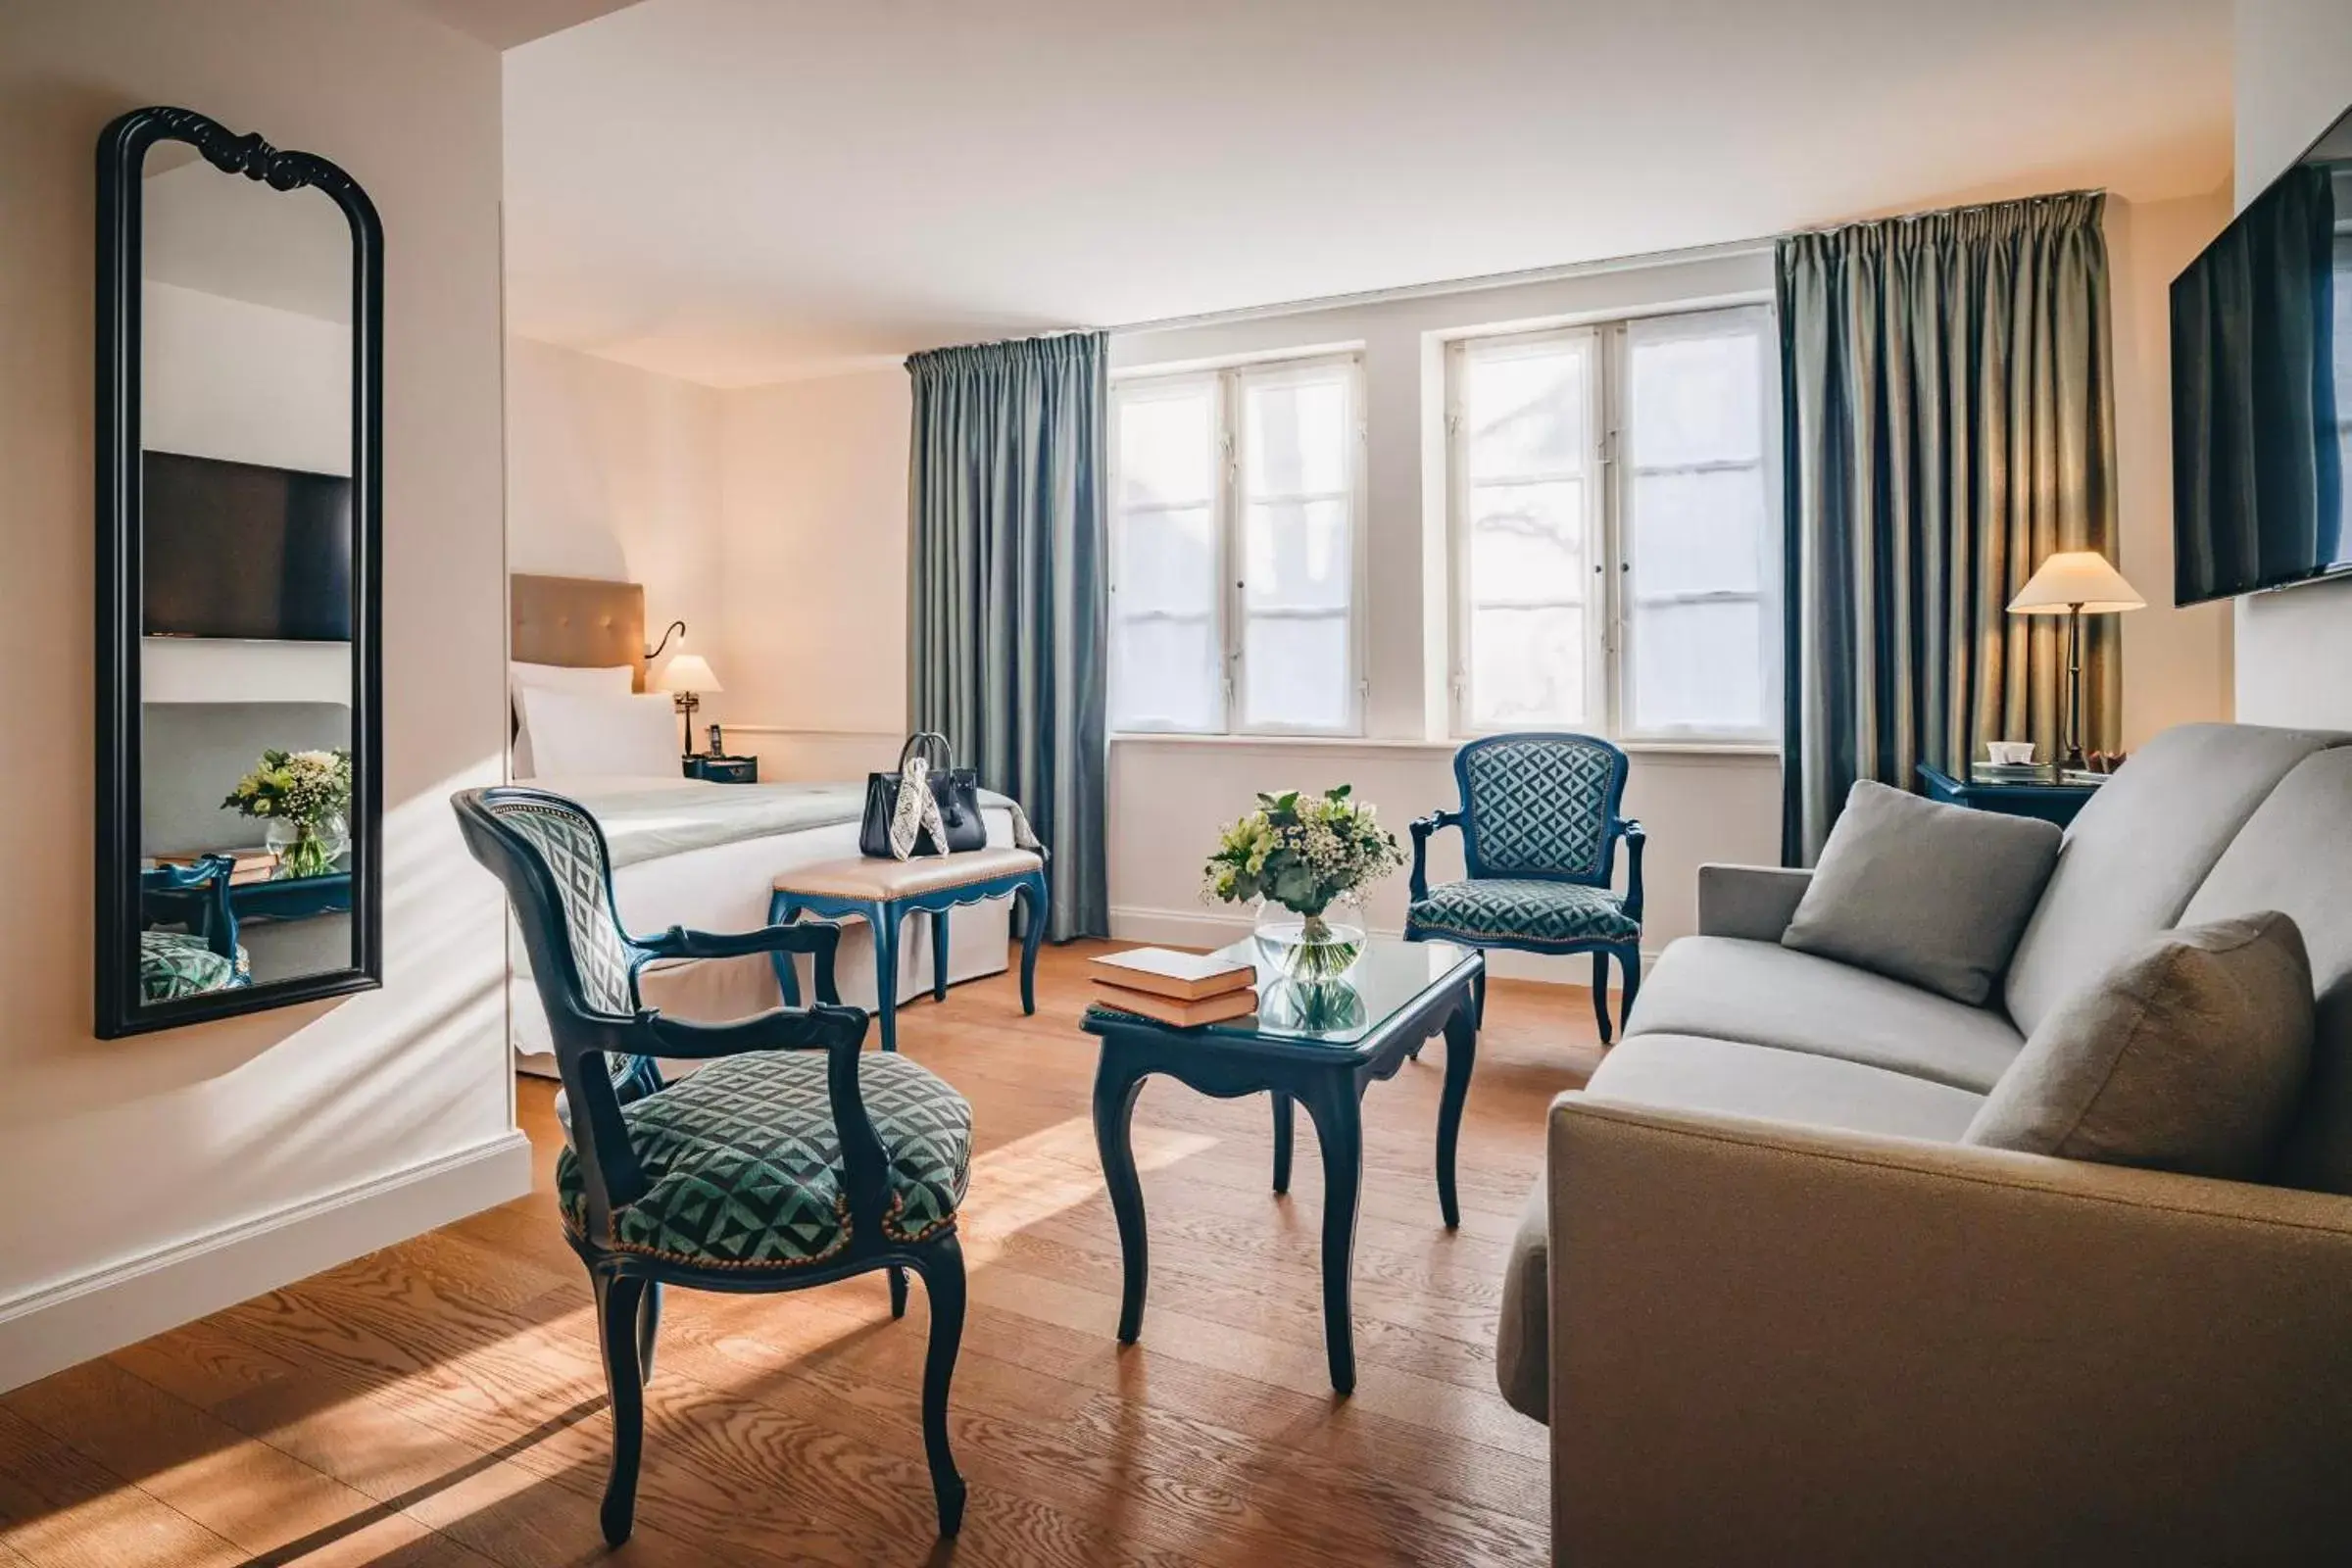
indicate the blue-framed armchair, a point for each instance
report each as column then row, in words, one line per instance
column 1539, row 826
column 795, row 1157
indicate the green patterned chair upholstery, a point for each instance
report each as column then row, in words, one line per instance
column 796, row 1158
column 176, row 963
column 1539, row 826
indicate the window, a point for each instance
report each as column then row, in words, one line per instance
column 1616, row 561
column 1236, row 534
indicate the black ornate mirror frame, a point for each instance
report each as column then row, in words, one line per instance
column 121, row 152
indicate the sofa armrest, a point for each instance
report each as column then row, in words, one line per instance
column 1781, row 1344
column 1756, row 901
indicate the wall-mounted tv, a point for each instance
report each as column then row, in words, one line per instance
column 2262, row 388
column 239, row 550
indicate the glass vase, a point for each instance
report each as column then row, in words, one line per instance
column 1307, row 947
column 306, row 849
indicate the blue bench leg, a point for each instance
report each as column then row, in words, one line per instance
column 781, row 911
column 1034, row 903
column 884, row 918
column 939, row 956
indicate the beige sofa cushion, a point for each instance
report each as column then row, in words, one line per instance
column 1692, row 1073
column 2295, row 854
column 1920, row 892
column 1730, row 989
column 2188, row 1055
column 2140, row 849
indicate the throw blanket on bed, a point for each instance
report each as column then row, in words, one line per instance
column 647, row 819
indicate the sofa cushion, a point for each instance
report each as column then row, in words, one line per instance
column 2294, row 854
column 1684, row 1072
column 2187, row 1056
column 1733, row 1078
column 1760, row 991
column 1930, row 894
column 2142, row 847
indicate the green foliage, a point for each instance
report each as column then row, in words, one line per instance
column 301, row 787
column 1303, row 852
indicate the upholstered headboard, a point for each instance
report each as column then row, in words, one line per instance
column 583, row 622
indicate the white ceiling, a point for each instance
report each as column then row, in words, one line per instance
column 740, row 191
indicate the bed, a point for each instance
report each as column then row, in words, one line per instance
column 705, row 856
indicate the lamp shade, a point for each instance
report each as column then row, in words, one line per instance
column 688, row 672
column 2073, row 579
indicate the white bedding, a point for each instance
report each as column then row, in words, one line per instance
column 705, row 856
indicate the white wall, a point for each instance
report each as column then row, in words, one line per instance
column 2293, row 78
column 816, row 549
column 163, row 1176
column 615, row 472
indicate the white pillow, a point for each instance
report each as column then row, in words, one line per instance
column 573, row 735
column 616, row 680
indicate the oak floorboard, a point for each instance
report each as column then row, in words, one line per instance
column 440, row 1401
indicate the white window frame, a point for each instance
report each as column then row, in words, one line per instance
column 1229, row 383
column 1608, row 623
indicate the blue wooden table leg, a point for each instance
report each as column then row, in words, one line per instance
column 1461, row 1050
column 1034, row 903
column 939, row 956
column 781, row 911
column 884, row 918
column 1116, row 1089
column 1282, row 1140
column 1340, row 1129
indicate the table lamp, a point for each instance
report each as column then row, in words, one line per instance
column 686, row 674
column 2074, row 584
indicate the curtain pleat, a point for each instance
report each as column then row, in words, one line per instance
column 1949, row 422
column 1006, row 592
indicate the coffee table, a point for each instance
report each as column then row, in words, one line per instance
column 1320, row 1048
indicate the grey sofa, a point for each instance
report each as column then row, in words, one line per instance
column 1775, row 1312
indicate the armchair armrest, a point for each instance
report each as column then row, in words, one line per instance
column 1754, row 902
column 1421, row 827
column 812, row 937
column 1630, row 830
column 1869, row 1349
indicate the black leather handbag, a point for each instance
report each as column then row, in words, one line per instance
column 957, row 790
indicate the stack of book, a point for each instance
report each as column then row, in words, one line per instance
column 246, row 866
column 1183, row 989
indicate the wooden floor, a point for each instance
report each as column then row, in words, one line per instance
column 440, row 1401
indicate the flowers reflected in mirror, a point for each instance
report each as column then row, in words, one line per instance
column 301, row 798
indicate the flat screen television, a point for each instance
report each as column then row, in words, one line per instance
column 239, row 550
column 2262, row 388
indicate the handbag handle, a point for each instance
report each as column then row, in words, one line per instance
column 935, row 748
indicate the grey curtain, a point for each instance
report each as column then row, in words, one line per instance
column 1008, row 598
column 1948, row 422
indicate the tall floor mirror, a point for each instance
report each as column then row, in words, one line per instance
column 240, row 300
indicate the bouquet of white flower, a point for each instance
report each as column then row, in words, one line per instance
column 1304, row 852
column 309, row 792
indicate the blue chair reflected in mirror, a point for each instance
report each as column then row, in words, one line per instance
column 1541, row 824
column 188, row 931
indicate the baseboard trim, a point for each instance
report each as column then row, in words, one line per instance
column 63, row 1324
column 1201, row 929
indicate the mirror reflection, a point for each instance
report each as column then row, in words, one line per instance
column 247, row 676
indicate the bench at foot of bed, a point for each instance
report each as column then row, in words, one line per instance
column 882, row 893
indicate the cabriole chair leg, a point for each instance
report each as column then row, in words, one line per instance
column 617, row 1317
column 943, row 1283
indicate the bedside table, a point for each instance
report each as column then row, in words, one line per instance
column 2052, row 802
column 723, row 769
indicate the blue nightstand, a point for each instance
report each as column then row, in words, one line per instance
column 2052, row 803
column 723, row 769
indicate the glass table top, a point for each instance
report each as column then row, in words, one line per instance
column 1388, row 979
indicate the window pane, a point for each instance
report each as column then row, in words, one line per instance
column 1296, row 671
column 1297, row 440
column 1698, row 667
column 1299, row 556
column 1167, row 560
column 1524, row 410
column 1696, row 532
column 1165, row 674
column 1527, row 666
column 1526, row 543
column 1167, row 446
column 1698, row 392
